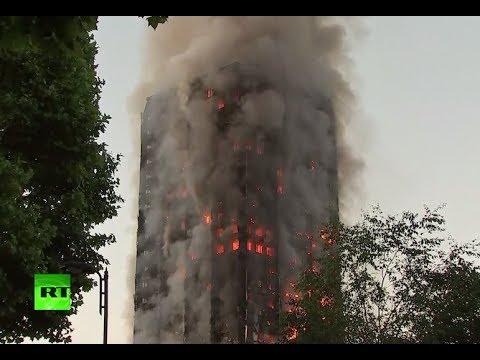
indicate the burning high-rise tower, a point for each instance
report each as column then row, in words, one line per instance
column 236, row 181
column 238, row 171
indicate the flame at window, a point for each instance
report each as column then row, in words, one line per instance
column 235, row 244
column 220, row 249
column 269, row 251
column 259, row 232
column 293, row 334
column 207, row 218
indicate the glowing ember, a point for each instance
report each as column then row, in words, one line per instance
column 220, row 249
column 293, row 334
column 235, row 244
column 207, row 218
column 326, row 237
column 259, row 232
column 259, row 248
column 249, row 245
column 326, row 301
column 280, row 189
column 210, row 93
column 269, row 251
column 220, row 104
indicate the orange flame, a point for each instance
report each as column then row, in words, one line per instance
column 207, row 218
column 280, row 189
column 220, row 249
column 326, row 301
column 210, row 93
column 269, row 251
column 294, row 334
column 235, row 244
column 259, row 232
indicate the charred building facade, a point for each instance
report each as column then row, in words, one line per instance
column 222, row 227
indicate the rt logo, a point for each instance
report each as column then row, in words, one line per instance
column 52, row 292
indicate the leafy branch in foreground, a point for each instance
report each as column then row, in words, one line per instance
column 400, row 280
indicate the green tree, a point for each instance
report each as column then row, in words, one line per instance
column 56, row 179
column 401, row 282
column 451, row 312
column 314, row 305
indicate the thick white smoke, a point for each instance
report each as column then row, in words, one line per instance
column 306, row 109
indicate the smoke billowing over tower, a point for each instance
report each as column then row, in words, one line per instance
column 238, row 173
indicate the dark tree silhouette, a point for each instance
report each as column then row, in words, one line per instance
column 401, row 282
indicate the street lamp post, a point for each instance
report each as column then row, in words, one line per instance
column 104, row 279
column 79, row 267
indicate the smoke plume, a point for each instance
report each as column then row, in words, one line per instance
column 307, row 110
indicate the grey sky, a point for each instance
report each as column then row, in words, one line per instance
column 417, row 84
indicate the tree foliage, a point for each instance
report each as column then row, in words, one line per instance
column 57, row 180
column 401, row 282
column 48, row 33
column 314, row 307
column 154, row 21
